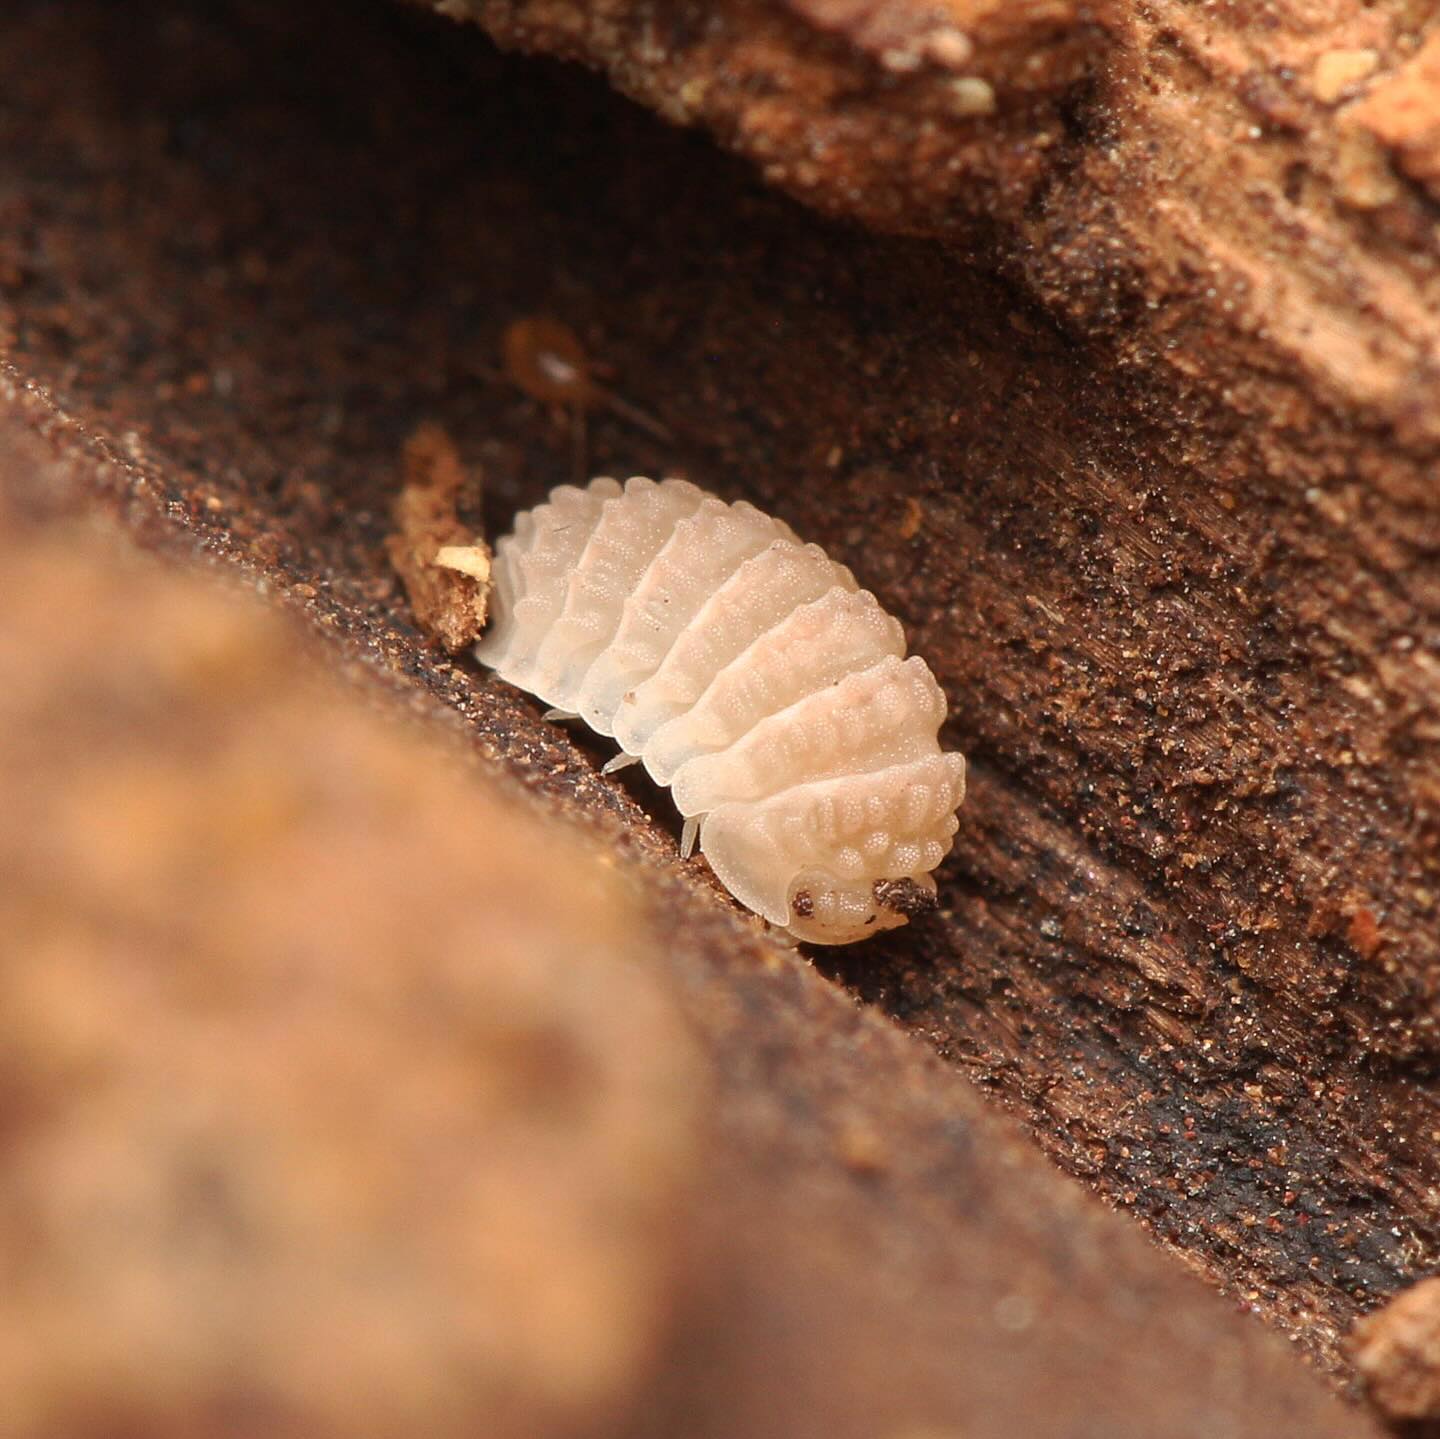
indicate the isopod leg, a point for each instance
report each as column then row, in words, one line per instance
column 621, row 761
column 689, row 835
column 560, row 715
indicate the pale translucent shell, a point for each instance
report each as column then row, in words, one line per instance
column 746, row 670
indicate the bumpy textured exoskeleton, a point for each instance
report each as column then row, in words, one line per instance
column 747, row 671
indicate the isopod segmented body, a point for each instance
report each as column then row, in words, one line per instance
column 750, row 673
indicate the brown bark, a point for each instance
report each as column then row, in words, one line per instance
column 1397, row 1351
column 893, row 113
column 1178, row 564
column 342, row 1099
column 1155, row 503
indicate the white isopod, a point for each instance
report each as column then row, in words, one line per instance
column 750, row 673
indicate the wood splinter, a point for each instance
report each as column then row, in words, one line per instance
column 444, row 567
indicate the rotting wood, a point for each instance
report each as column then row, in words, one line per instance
column 1174, row 562
column 1397, row 1351
column 376, row 1080
column 1209, row 828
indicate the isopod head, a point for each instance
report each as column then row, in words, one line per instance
column 827, row 910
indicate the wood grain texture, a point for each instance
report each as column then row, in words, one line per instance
column 350, row 1090
column 1178, row 541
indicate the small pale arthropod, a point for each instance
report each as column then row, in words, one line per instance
column 748, row 672
column 547, row 361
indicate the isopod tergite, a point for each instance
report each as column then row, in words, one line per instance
column 749, row 672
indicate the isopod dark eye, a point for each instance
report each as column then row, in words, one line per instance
column 769, row 691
